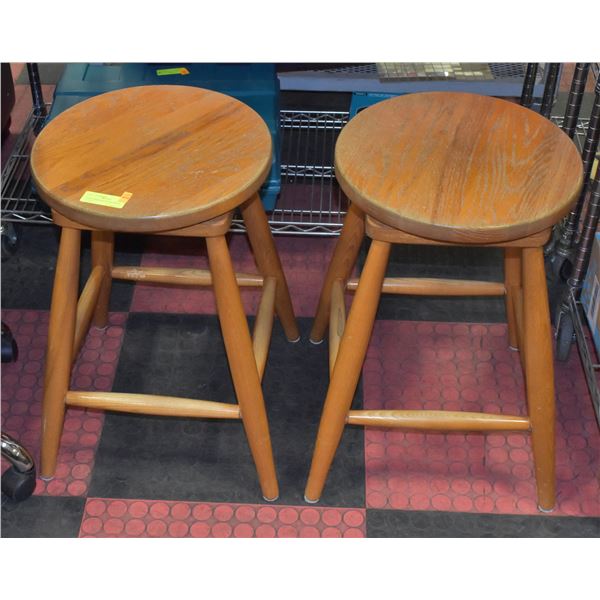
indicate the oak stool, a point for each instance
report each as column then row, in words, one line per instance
column 446, row 169
column 164, row 160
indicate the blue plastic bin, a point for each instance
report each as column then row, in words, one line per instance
column 362, row 100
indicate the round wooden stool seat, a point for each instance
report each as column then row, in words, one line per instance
column 184, row 154
column 458, row 167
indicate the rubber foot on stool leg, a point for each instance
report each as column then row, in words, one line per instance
column 513, row 348
column 545, row 510
column 315, row 343
column 294, row 341
column 100, row 328
column 270, row 499
column 46, row 478
column 311, row 501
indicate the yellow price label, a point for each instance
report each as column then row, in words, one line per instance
column 106, row 199
column 174, row 71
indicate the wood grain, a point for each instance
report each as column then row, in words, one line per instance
column 539, row 374
column 59, row 355
column 377, row 230
column 147, row 404
column 85, row 307
column 244, row 372
column 186, row 154
column 512, row 281
column 175, row 276
column 263, row 325
column 340, row 267
column 458, row 167
column 438, row 420
column 347, row 368
column 103, row 250
column 337, row 321
column 269, row 264
column 423, row 286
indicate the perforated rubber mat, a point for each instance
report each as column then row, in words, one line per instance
column 125, row 475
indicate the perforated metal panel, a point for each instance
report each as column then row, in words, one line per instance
column 511, row 70
column 499, row 70
column 494, row 79
column 370, row 68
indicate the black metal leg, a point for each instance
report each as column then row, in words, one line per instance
column 528, row 85
column 37, row 97
column 550, row 89
column 590, row 147
column 575, row 97
column 580, row 264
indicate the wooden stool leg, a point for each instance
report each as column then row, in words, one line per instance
column 238, row 346
column 539, row 371
column 59, row 356
column 269, row 265
column 103, row 244
column 512, row 282
column 353, row 348
column 340, row 267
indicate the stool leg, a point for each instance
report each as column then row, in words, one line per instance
column 340, row 267
column 269, row 264
column 512, row 282
column 353, row 348
column 61, row 332
column 539, row 373
column 238, row 346
column 103, row 245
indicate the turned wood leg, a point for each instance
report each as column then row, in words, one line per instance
column 238, row 346
column 269, row 264
column 347, row 369
column 59, row 356
column 539, row 371
column 340, row 267
column 103, row 246
column 512, row 282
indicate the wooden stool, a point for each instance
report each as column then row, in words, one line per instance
column 446, row 169
column 165, row 160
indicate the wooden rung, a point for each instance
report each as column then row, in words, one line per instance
column 438, row 419
column 85, row 307
column 263, row 326
column 153, row 405
column 337, row 321
column 436, row 287
column 166, row 275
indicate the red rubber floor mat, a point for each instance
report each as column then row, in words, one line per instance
column 22, row 383
column 468, row 367
column 150, row 518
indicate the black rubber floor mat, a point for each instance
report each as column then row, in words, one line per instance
column 42, row 517
column 209, row 460
column 396, row 524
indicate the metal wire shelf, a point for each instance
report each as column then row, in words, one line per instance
column 579, row 137
column 586, row 352
column 20, row 204
column 310, row 203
